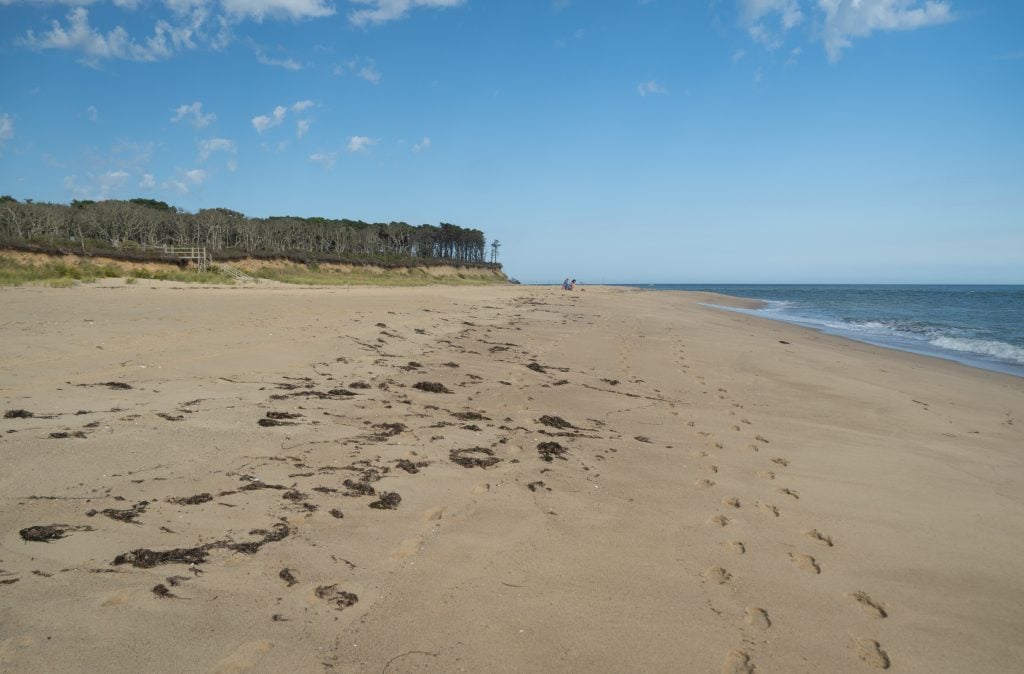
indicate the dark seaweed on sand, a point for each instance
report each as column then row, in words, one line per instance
column 549, row 451
column 358, row 488
column 115, row 385
column 287, row 576
column 359, row 384
column 18, row 414
column 411, row 467
column 161, row 592
column 471, row 458
column 555, row 422
column 470, row 416
column 61, row 435
column 431, row 387
column 274, row 422
column 190, row 500
column 536, row 367
column 337, row 513
column 170, row 417
column 143, row 558
column 128, row 515
column 44, row 533
column 339, row 598
column 388, row 500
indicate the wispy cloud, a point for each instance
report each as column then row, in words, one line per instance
column 360, row 144
column 6, row 128
column 95, row 45
column 196, row 176
column 259, row 10
column 382, row 11
column 837, row 22
column 209, row 146
column 147, row 182
column 650, row 87
column 302, row 128
column 194, row 113
column 92, row 114
column 363, row 69
column 325, row 159
column 263, row 122
column 98, row 186
column 738, row 55
column 422, row 146
column 299, row 106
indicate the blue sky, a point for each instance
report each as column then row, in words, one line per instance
column 614, row 141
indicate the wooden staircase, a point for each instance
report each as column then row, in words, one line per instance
column 204, row 262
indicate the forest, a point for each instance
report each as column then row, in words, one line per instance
column 137, row 225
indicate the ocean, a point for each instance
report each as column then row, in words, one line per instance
column 980, row 326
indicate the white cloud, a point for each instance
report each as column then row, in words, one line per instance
column 176, row 185
column 302, row 128
column 287, row 64
column 6, row 128
column 650, row 87
column 738, row 55
column 360, row 143
column 299, row 106
column 788, row 11
column 232, row 165
column 194, row 113
column 211, row 145
column 369, row 73
column 148, row 182
column 92, row 114
column 381, row 11
column 263, row 122
column 422, row 146
column 96, row 185
column 196, row 176
column 325, row 159
column 288, row 9
column 79, row 35
column 847, row 19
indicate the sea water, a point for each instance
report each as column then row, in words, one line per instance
column 981, row 326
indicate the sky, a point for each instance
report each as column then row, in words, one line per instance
column 630, row 141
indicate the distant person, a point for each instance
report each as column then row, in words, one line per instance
column 565, row 284
column 572, row 285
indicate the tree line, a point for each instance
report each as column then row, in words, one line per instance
column 97, row 226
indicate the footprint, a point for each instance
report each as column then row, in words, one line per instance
column 781, row 461
column 735, row 547
column 716, row 574
column 757, row 617
column 408, row 548
column 766, row 474
column 871, row 652
column 867, row 605
column 805, row 562
column 818, row 536
column 246, row 657
column 719, row 520
column 768, row 509
column 789, row 492
column 710, row 468
column 737, row 662
column 433, row 515
column 481, row 488
column 761, row 438
column 731, row 501
column 705, row 483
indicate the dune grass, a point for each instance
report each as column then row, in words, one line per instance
column 304, row 275
column 60, row 274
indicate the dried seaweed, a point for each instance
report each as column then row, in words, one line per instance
column 18, row 414
column 549, row 451
column 431, row 387
column 388, row 500
column 128, row 515
column 332, row 595
column 555, row 421
column 190, row 500
column 44, row 533
column 470, row 458
column 287, row 576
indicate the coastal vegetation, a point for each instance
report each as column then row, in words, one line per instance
column 135, row 238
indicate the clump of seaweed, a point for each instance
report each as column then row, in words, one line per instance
column 555, row 421
column 358, row 488
column 190, row 500
column 410, row 466
column 431, row 387
column 44, row 533
column 536, row 367
column 128, row 515
column 287, row 576
column 61, row 435
column 340, row 598
column 549, row 451
column 18, row 414
column 337, row 513
column 470, row 416
column 143, row 558
column 474, row 457
column 359, row 385
column 388, row 500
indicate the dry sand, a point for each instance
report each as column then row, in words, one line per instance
column 732, row 493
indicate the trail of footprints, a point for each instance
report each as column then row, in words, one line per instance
column 740, row 661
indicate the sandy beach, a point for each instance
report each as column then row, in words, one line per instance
column 274, row 478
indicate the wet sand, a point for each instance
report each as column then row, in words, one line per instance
column 493, row 479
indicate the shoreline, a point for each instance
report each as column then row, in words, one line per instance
column 608, row 480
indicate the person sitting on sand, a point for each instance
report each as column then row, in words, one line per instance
column 565, row 284
column 572, row 285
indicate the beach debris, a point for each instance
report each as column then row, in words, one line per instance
column 388, row 430
column 119, row 385
column 287, row 576
column 359, row 385
column 171, row 417
column 143, row 558
column 549, row 451
column 782, row 341
column 410, row 466
column 536, row 367
column 471, row 458
column 337, row 513
column 642, row 438
column 18, row 414
column 44, row 533
column 470, row 416
column 610, row 382
column 431, row 387
column 388, row 500
column 283, row 415
column 340, row 598
column 127, row 515
column 534, row 486
column 554, row 421
column 358, row 488
column 450, row 364
column 190, row 500
column 294, row 495
column 161, row 592
column 61, row 435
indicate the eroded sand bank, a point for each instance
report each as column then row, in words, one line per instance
column 728, row 492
